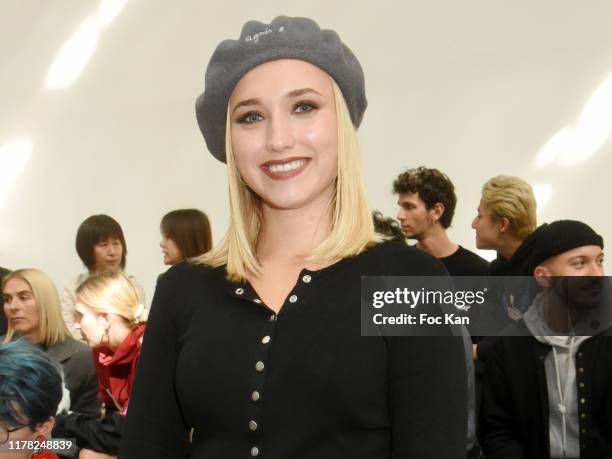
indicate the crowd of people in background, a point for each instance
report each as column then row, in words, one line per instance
column 89, row 341
column 93, row 335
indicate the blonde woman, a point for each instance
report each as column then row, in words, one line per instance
column 32, row 308
column 108, row 315
column 257, row 345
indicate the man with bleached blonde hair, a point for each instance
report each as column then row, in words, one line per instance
column 506, row 218
column 506, row 223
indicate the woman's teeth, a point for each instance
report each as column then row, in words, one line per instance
column 287, row 167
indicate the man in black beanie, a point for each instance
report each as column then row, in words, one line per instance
column 547, row 387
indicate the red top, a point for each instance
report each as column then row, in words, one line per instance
column 116, row 370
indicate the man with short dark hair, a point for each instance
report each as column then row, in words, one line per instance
column 427, row 200
column 547, row 385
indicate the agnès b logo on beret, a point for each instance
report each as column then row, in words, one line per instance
column 266, row 31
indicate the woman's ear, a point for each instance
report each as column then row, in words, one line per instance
column 45, row 427
column 105, row 320
column 542, row 276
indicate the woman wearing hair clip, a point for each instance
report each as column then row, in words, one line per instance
column 108, row 313
column 257, row 344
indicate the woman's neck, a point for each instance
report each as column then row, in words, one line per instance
column 288, row 236
column 33, row 337
column 119, row 333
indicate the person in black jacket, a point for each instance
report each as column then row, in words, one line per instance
column 257, row 345
column 547, row 391
column 505, row 222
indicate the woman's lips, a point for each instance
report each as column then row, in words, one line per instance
column 286, row 169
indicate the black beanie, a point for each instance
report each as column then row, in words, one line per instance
column 557, row 237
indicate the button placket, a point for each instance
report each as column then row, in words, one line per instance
column 260, row 371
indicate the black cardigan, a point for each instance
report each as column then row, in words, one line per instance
column 300, row 384
column 514, row 412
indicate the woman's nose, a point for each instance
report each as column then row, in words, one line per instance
column 279, row 134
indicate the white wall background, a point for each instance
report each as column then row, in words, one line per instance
column 476, row 88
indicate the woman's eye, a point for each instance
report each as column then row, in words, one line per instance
column 303, row 107
column 252, row 117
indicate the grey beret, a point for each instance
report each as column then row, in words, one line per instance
column 283, row 38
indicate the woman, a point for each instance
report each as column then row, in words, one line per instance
column 108, row 315
column 185, row 233
column 257, row 346
column 30, row 392
column 101, row 247
column 32, row 307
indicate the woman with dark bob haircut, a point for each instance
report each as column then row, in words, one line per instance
column 30, row 392
column 257, row 345
column 101, row 246
column 185, row 233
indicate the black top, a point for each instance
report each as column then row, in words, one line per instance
column 300, row 384
column 465, row 263
column 514, row 412
column 521, row 262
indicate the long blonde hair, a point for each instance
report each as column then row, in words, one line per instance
column 351, row 230
column 111, row 293
column 51, row 328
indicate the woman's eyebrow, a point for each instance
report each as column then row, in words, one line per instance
column 294, row 93
column 246, row 102
column 299, row 92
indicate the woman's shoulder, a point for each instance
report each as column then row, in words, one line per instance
column 396, row 258
column 69, row 349
column 187, row 271
column 187, row 276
